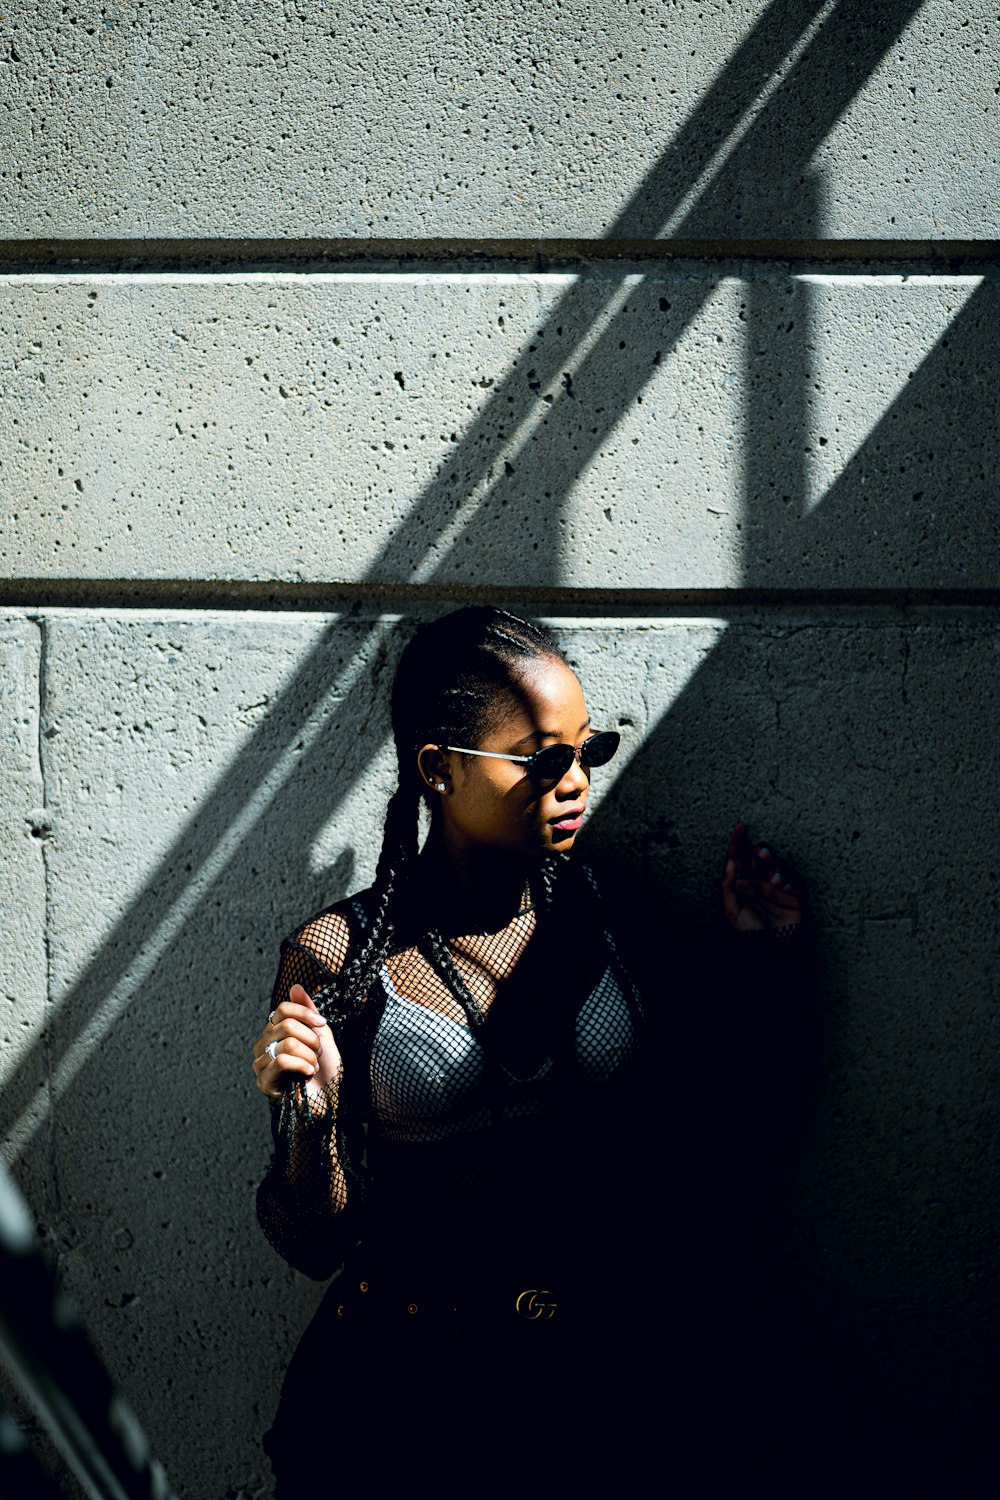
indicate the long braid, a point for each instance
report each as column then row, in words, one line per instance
column 436, row 949
column 399, row 848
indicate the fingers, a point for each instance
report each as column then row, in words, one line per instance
column 303, row 1045
column 783, row 887
column 756, row 861
column 297, row 995
column 293, row 1033
column 289, row 1051
column 291, row 1059
column 748, row 861
column 309, row 1036
column 776, row 897
column 289, row 1010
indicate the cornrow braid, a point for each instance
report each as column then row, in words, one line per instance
column 455, row 676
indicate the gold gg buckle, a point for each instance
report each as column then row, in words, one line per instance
column 531, row 1304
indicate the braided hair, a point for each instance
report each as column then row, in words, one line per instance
column 454, row 683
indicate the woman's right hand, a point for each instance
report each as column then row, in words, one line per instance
column 759, row 890
column 305, row 1048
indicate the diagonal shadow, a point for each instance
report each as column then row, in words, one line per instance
column 937, row 441
column 950, row 393
column 691, row 153
column 759, row 183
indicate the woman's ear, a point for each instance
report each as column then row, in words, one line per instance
column 434, row 765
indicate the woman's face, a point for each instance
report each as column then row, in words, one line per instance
column 494, row 803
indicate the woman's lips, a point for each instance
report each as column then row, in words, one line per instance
column 568, row 822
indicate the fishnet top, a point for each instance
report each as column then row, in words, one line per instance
column 462, row 1149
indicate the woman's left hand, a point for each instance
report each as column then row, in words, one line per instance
column 760, row 892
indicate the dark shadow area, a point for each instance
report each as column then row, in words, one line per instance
column 869, row 1238
column 859, row 745
column 772, row 727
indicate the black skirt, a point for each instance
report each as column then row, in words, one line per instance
column 463, row 1383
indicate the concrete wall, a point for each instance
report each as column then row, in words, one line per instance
column 674, row 324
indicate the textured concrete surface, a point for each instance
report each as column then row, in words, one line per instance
column 194, row 785
column 863, row 752
column 25, row 825
column 214, row 778
column 792, row 119
column 671, row 430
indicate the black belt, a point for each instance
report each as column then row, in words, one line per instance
column 399, row 1298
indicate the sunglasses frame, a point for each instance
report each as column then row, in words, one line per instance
column 530, row 760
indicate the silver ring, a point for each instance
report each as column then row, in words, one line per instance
column 270, row 1019
column 271, row 1049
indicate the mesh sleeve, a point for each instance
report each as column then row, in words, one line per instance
column 308, row 1204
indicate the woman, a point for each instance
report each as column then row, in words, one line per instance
column 457, row 1062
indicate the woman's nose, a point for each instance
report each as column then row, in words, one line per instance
column 576, row 780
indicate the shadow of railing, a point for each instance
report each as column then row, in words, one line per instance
column 696, row 146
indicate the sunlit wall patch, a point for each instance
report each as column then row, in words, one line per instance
column 870, row 337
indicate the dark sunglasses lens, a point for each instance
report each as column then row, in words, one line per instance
column 599, row 749
column 551, row 764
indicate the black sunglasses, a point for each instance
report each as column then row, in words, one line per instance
column 548, row 766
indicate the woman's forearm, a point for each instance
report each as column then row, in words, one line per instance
column 311, row 1168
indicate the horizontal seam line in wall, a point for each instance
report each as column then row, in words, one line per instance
column 173, row 593
column 715, row 275
column 395, row 257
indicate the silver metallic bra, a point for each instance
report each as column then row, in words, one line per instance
column 430, row 1077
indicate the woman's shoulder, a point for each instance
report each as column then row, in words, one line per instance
column 329, row 934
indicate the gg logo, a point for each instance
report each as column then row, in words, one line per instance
column 529, row 1305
